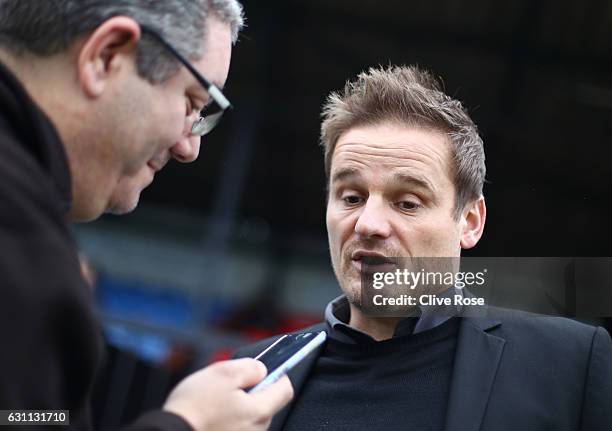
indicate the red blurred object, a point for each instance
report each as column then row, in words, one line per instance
column 221, row 355
column 253, row 333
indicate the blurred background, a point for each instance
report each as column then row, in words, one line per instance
column 232, row 247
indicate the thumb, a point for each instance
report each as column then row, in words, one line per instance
column 245, row 372
column 275, row 396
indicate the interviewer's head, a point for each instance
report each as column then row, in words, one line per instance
column 121, row 101
column 405, row 168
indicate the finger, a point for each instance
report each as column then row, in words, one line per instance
column 274, row 397
column 243, row 372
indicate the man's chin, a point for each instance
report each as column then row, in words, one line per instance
column 123, row 206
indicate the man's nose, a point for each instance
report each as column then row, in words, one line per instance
column 187, row 149
column 373, row 220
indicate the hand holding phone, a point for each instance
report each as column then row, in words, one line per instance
column 214, row 397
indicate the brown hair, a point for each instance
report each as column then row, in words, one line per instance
column 412, row 97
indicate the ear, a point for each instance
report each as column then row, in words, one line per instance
column 105, row 51
column 472, row 223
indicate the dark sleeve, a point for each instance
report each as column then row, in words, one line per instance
column 50, row 340
column 597, row 403
column 165, row 421
column 159, row 421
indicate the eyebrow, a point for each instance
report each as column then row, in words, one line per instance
column 417, row 180
column 345, row 174
column 403, row 177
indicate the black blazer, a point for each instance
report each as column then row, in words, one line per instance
column 513, row 371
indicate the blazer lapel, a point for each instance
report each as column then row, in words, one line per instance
column 476, row 362
column 298, row 376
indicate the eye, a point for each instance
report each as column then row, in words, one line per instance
column 192, row 107
column 351, row 200
column 195, row 108
column 409, row 206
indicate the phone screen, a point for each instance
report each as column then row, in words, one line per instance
column 286, row 353
column 288, row 345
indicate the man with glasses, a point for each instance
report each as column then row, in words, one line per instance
column 199, row 122
column 95, row 98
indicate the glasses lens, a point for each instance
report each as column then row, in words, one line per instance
column 204, row 125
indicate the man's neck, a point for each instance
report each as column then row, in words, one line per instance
column 379, row 328
column 26, row 68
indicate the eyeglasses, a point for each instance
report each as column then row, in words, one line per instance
column 204, row 123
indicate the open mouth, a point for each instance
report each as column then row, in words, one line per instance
column 369, row 262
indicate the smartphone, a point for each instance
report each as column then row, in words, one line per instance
column 286, row 353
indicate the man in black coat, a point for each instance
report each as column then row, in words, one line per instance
column 406, row 168
column 95, row 98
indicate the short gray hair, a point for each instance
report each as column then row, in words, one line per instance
column 47, row 27
column 413, row 97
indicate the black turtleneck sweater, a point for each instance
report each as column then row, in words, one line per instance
column 397, row 384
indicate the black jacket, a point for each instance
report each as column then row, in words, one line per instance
column 513, row 371
column 50, row 341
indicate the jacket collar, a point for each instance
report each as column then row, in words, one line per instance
column 476, row 362
column 22, row 119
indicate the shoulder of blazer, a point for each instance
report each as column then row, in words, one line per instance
column 542, row 327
